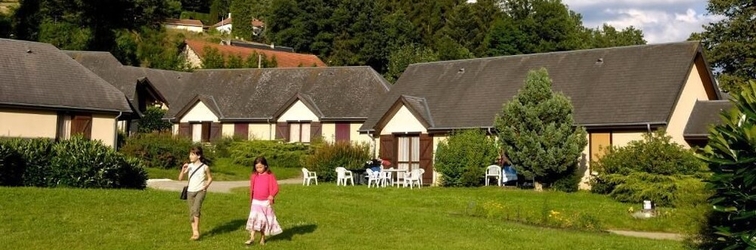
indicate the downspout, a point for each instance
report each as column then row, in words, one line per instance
column 372, row 140
column 270, row 129
column 115, row 129
column 648, row 126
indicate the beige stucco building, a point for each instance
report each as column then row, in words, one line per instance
column 618, row 94
column 47, row 94
column 288, row 104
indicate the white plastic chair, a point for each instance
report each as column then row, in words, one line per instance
column 493, row 171
column 386, row 178
column 412, row 178
column 372, row 177
column 422, row 172
column 400, row 176
column 343, row 176
column 307, row 176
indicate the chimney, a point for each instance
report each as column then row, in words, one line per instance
column 229, row 15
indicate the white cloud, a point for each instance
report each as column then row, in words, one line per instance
column 658, row 26
column 660, row 20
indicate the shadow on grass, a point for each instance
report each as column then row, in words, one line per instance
column 228, row 227
column 287, row 234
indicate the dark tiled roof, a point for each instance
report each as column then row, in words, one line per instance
column 705, row 113
column 338, row 93
column 94, row 59
column 611, row 86
column 125, row 78
column 38, row 74
column 419, row 107
column 168, row 83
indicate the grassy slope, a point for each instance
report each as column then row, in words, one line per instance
column 315, row 217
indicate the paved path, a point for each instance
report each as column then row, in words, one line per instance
column 217, row 186
column 650, row 235
column 226, row 186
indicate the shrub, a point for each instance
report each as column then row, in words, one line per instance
column 11, row 167
column 84, row 163
column 74, row 163
column 675, row 191
column 329, row 155
column 655, row 154
column 152, row 121
column 221, row 146
column 570, row 183
column 463, row 157
column 36, row 154
column 278, row 154
column 646, row 168
column 159, row 150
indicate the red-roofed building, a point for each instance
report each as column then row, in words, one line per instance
column 194, row 51
column 184, row 24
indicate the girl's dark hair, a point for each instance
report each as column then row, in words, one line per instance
column 197, row 150
column 263, row 161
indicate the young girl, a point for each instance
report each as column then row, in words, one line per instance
column 263, row 189
column 199, row 179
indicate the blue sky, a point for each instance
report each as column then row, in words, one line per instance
column 660, row 20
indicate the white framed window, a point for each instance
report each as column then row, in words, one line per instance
column 408, row 149
column 299, row 132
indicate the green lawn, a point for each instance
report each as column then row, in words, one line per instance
column 313, row 217
column 224, row 170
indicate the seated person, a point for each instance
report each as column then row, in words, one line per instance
column 508, row 173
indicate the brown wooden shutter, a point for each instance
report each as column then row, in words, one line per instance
column 426, row 157
column 216, row 130
column 388, row 149
column 205, row 132
column 315, row 130
column 185, row 130
column 282, row 131
column 241, row 130
column 82, row 125
column 342, row 131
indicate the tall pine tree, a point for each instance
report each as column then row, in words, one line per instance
column 538, row 134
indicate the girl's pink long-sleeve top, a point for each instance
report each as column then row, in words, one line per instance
column 262, row 185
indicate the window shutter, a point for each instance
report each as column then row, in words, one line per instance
column 241, row 130
column 205, row 132
column 82, row 125
column 426, row 157
column 185, row 130
column 388, row 151
column 215, row 130
column 282, row 131
column 315, row 130
column 342, row 131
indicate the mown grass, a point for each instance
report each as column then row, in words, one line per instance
column 224, row 170
column 313, row 217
